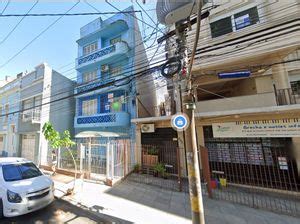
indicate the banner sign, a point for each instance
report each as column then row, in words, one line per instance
column 275, row 128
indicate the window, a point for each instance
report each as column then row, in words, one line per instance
column 114, row 71
column 37, row 102
column 14, row 172
column 221, row 27
column 0, row 112
column 89, row 76
column 295, row 87
column 235, row 22
column 115, row 40
column 246, row 18
column 27, row 104
column 90, row 48
column 6, row 113
column 89, row 107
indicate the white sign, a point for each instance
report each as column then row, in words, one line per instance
column 276, row 128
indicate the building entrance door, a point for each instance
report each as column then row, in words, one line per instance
column 28, row 146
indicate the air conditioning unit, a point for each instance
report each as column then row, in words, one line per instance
column 104, row 68
column 147, row 128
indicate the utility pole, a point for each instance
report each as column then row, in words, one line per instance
column 190, row 136
column 184, row 76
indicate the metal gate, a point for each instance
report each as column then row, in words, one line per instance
column 28, row 146
column 258, row 172
column 105, row 159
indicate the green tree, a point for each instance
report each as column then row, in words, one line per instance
column 57, row 141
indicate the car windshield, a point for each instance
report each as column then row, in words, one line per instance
column 13, row 172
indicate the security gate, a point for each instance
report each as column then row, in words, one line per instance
column 106, row 159
column 259, row 172
column 28, row 147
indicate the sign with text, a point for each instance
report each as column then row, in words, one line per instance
column 276, row 128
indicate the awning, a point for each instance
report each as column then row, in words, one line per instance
column 95, row 134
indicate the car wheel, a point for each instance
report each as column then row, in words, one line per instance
column 1, row 209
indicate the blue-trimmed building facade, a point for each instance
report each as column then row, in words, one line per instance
column 109, row 52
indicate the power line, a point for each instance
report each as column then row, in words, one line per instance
column 5, row 7
column 132, row 16
column 35, row 38
column 67, row 14
column 110, row 84
column 15, row 27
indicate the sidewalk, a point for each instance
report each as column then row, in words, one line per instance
column 140, row 203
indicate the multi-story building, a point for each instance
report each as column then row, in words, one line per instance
column 110, row 50
column 246, row 78
column 40, row 91
column 9, row 102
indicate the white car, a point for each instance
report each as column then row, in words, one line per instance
column 23, row 187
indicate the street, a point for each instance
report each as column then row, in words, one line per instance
column 58, row 212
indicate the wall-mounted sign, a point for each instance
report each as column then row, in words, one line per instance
column 282, row 163
column 276, row 128
column 231, row 75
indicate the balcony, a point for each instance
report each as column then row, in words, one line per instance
column 33, row 116
column 287, row 97
column 237, row 103
column 117, row 51
column 103, row 120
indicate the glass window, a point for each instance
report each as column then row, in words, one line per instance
column 115, row 40
column 27, row 103
column 221, row 27
column 89, row 76
column 89, row 107
column 6, row 112
column 246, row 18
column 37, row 102
column 14, row 172
column 114, row 71
column 295, row 87
column 90, row 48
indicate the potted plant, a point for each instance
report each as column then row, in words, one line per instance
column 160, row 170
column 150, row 157
column 137, row 168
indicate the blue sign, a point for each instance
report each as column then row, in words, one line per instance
column 180, row 122
column 229, row 75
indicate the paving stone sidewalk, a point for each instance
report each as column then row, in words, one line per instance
column 134, row 202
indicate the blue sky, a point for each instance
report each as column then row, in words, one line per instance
column 57, row 46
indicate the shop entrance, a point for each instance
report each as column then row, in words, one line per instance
column 260, row 172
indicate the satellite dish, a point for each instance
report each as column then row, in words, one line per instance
column 172, row 11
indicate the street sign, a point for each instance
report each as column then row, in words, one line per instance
column 180, row 122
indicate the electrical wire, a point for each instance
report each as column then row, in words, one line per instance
column 15, row 27
column 137, row 75
column 36, row 37
column 5, row 7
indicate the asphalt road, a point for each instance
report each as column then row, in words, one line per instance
column 58, row 212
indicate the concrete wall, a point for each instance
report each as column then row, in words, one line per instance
column 237, row 103
column 10, row 95
column 62, row 112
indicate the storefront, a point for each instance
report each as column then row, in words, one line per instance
column 253, row 150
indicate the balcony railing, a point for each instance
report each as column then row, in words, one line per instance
column 287, row 97
column 112, row 119
column 33, row 116
column 103, row 55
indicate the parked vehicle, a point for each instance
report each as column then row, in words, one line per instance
column 23, row 187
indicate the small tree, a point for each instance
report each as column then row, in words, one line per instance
column 58, row 141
